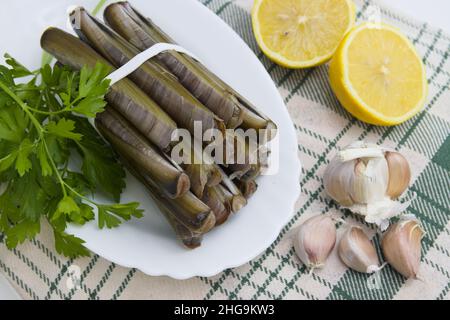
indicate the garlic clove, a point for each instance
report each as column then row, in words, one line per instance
column 399, row 174
column 315, row 240
column 358, row 252
column 402, row 246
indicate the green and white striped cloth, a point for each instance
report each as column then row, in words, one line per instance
column 323, row 127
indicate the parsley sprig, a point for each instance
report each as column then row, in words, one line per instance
column 51, row 158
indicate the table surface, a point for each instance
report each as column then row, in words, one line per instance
column 435, row 12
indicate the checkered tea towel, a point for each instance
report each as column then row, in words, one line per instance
column 323, row 126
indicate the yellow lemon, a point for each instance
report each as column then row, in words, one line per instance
column 378, row 76
column 301, row 33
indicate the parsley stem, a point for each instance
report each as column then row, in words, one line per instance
column 98, row 7
column 82, row 197
column 48, row 113
column 24, row 107
column 79, row 195
column 29, row 89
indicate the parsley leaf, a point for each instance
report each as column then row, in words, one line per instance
column 104, row 174
column 69, row 245
column 66, row 206
column 92, row 81
column 7, row 161
column 20, row 232
column 58, row 149
column 90, row 106
column 86, row 214
column 27, row 196
column 23, row 163
column 110, row 216
column 63, row 129
column 100, row 166
column 13, row 122
column 78, row 182
column 17, row 69
column 43, row 160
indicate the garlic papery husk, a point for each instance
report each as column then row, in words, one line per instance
column 402, row 246
column 358, row 252
column 367, row 179
column 314, row 240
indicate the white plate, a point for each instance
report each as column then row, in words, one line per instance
column 149, row 244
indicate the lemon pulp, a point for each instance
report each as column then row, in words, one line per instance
column 301, row 33
column 378, row 75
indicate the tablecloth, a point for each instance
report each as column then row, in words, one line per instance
column 322, row 126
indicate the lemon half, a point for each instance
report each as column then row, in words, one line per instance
column 301, row 33
column 378, row 76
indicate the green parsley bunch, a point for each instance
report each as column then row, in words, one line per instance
column 44, row 125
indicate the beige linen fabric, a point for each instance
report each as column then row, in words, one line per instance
column 322, row 126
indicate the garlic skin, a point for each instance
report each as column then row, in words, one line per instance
column 366, row 179
column 315, row 240
column 370, row 180
column 402, row 246
column 358, row 252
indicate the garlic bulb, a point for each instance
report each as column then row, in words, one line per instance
column 358, row 252
column 367, row 179
column 402, row 246
column 315, row 240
